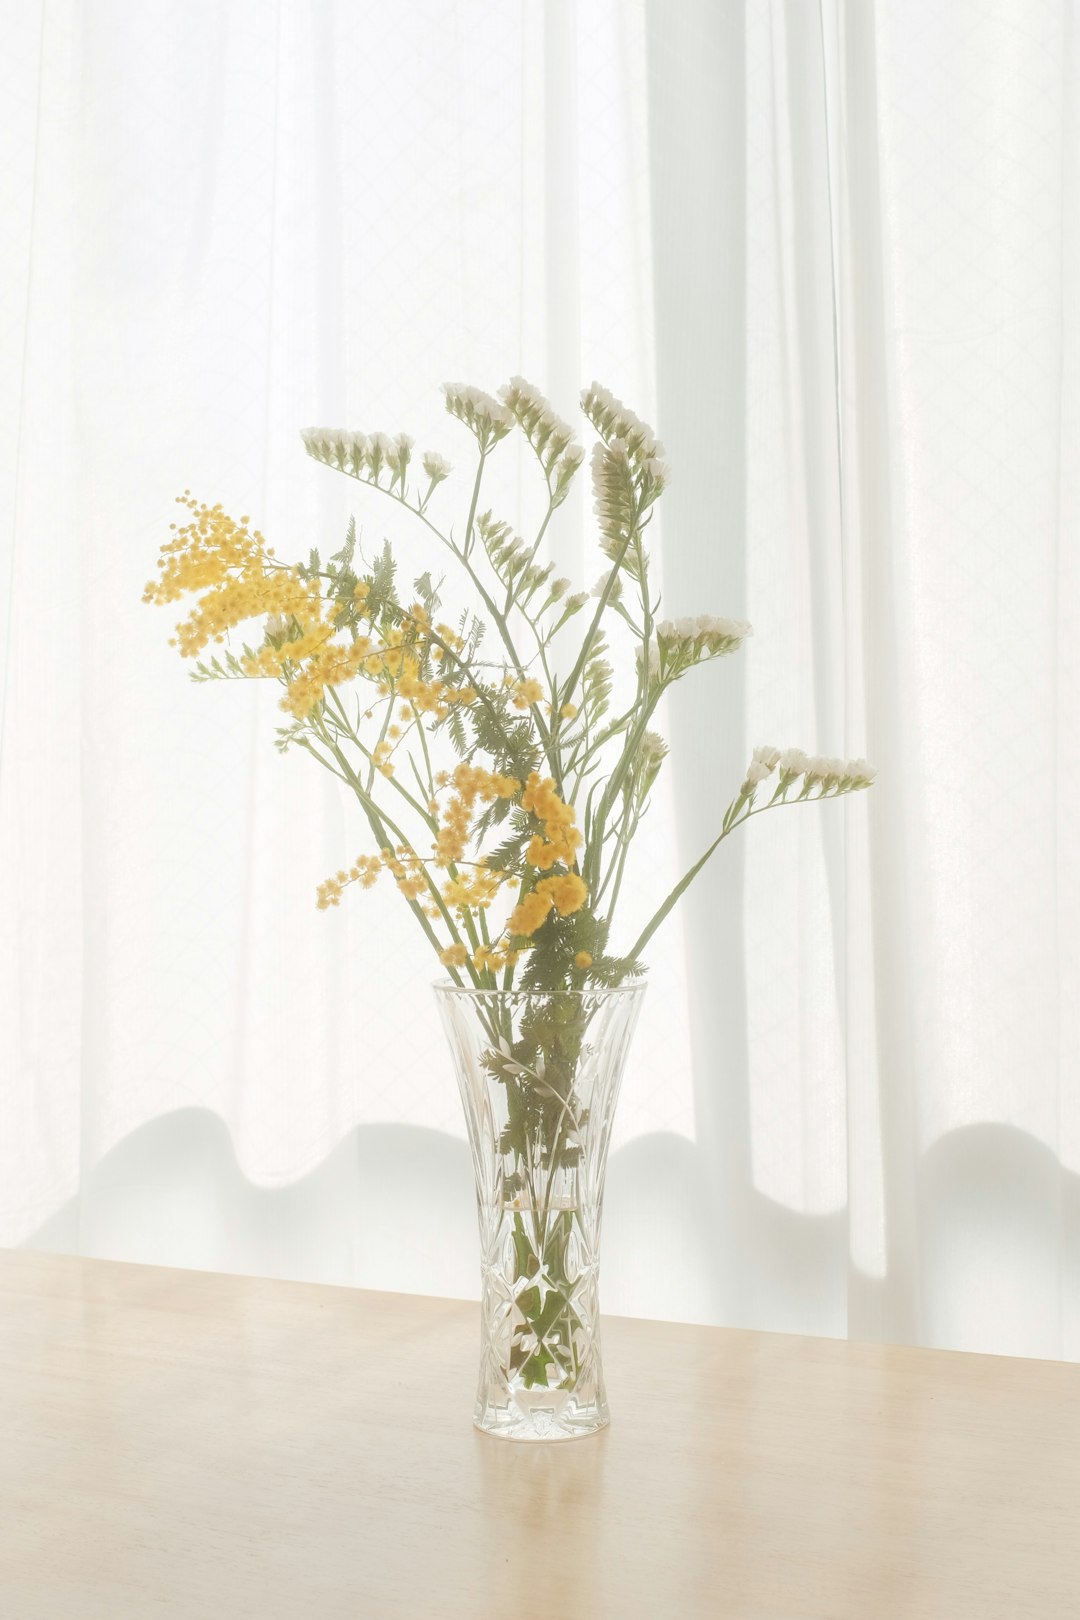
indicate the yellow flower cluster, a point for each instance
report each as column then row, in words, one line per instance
column 231, row 565
column 365, row 871
column 486, row 959
column 475, row 886
column 471, row 784
column 527, row 693
column 561, row 838
column 445, row 634
column 331, row 665
column 407, row 869
column 233, row 569
column 428, row 697
column 404, row 865
column 565, row 894
column 272, row 661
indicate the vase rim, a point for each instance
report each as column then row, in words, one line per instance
column 446, row 987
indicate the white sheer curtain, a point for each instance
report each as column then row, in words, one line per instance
column 833, row 254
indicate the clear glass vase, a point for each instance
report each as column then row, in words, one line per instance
column 539, row 1074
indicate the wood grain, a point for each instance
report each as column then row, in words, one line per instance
column 184, row 1444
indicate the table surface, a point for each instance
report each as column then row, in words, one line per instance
column 177, row 1443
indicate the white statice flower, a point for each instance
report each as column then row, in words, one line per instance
column 652, row 749
column 756, row 772
column 338, row 448
column 703, row 632
column 614, row 420
column 767, row 756
column 613, row 489
column 379, row 453
column 536, row 574
column 561, row 473
column 834, row 775
column 359, row 453
column 545, row 430
column 276, row 624
column 558, row 588
column 651, row 753
column 653, row 657
column 484, row 415
column 859, row 773
column 613, row 579
column 727, row 634
column 399, row 455
column 576, row 601
column 334, row 444
column 435, row 466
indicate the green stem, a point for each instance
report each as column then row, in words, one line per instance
column 380, row 823
column 467, row 544
column 684, row 882
column 485, row 596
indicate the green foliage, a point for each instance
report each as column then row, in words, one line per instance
column 287, row 737
column 597, row 681
column 509, row 739
column 610, row 971
column 344, row 557
column 456, row 726
column 381, row 580
column 227, row 667
column 509, row 856
column 426, row 594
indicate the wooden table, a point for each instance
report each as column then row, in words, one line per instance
column 181, row 1444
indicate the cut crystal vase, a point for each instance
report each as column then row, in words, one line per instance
column 539, row 1074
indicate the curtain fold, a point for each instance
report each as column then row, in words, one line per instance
column 831, row 251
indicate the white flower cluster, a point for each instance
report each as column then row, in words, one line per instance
column 482, row 414
column 509, row 554
column 833, row 775
column 715, row 635
column 613, row 489
column 652, row 749
column 332, row 445
column 396, row 453
column 678, row 643
column 363, row 455
column 612, row 577
column 651, row 655
column 615, row 421
column 548, row 434
column 437, row 467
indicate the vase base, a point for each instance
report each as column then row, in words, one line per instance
column 541, row 1415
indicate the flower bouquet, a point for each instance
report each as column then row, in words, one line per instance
column 502, row 775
